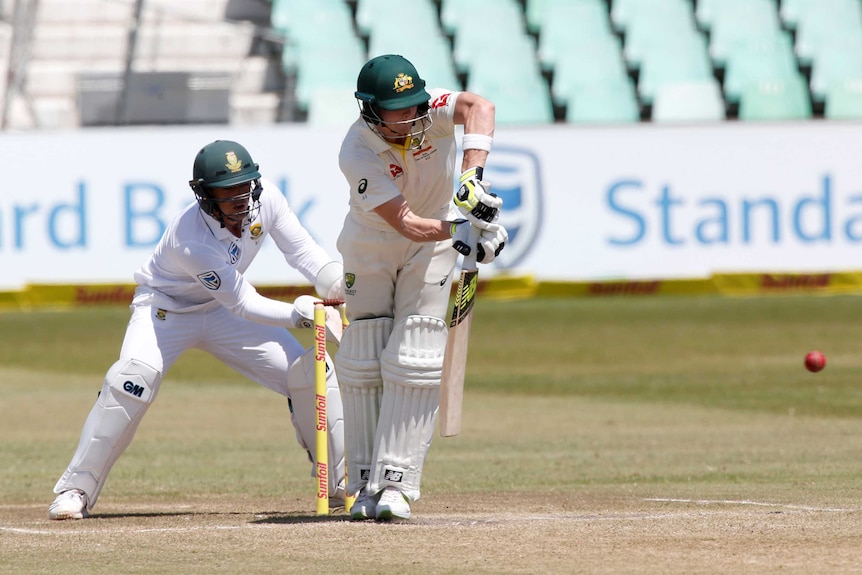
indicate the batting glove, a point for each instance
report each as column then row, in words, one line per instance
column 492, row 240
column 474, row 199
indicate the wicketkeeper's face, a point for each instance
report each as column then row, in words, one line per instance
column 233, row 202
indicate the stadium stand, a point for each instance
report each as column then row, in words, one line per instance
column 541, row 61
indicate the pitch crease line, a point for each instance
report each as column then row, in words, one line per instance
column 747, row 502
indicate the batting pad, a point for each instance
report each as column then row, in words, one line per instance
column 411, row 367
column 303, row 414
column 358, row 365
column 129, row 388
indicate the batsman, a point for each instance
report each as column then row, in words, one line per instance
column 397, row 246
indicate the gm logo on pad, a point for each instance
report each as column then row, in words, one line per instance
column 515, row 177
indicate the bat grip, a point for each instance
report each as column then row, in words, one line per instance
column 331, row 302
column 473, row 239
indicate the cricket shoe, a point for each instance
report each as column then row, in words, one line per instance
column 392, row 505
column 71, row 504
column 364, row 507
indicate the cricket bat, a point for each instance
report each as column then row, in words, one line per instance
column 455, row 356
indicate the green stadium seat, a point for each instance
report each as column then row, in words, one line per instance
column 332, row 107
column 591, row 66
column 689, row 102
column 775, row 100
column 819, row 27
column 536, row 11
column 708, row 12
column 747, row 22
column 333, row 68
column 430, row 54
column 566, row 27
column 624, row 13
column 662, row 35
column 477, row 14
column 755, row 60
column 844, row 102
column 372, row 15
column 791, row 11
column 834, row 70
column 604, row 104
column 492, row 45
column 671, row 66
column 292, row 16
column 527, row 101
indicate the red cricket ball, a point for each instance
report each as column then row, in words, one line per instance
column 815, row 361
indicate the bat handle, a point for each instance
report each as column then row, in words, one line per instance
column 473, row 239
column 331, row 302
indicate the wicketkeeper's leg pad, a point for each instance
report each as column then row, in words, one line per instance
column 129, row 388
column 358, row 365
column 303, row 414
column 411, row 367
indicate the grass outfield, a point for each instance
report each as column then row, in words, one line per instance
column 637, row 435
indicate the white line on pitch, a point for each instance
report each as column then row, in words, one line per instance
column 747, row 502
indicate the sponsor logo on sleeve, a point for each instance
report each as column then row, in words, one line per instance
column 233, row 252
column 210, row 280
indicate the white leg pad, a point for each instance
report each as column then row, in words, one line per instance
column 358, row 364
column 411, row 367
column 129, row 388
column 303, row 414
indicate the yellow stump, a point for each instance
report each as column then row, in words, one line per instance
column 321, row 439
column 349, row 498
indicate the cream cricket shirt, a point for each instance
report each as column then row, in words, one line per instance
column 197, row 264
column 378, row 172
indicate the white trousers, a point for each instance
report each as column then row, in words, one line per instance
column 157, row 338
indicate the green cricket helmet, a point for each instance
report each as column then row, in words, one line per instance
column 391, row 82
column 223, row 164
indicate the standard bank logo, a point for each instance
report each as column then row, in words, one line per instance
column 514, row 176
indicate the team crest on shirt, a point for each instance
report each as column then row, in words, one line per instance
column 255, row 230
column 233, row 164
column 233, row 252
column 349, row 280
column 210, row 280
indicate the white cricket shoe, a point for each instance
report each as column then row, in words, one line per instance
column 71, row 504
column 364, row 507
column 392, row 505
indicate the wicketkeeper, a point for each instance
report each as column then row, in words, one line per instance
column 399, row 161
column 192, row 294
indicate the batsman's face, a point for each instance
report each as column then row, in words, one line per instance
column 398, row 123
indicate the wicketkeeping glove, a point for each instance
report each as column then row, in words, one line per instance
column 474, row 199
column 303, row 317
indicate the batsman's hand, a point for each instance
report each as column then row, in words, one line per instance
column 460, row 231
column 303, row 317
column 475, row 201
column 492, row 240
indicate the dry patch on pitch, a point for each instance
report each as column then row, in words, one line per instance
column 588, row 533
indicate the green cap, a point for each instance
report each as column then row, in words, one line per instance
column 391, row 82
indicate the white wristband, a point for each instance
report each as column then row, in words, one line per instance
column 476, row 142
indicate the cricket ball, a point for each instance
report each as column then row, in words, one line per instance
column 815, row 361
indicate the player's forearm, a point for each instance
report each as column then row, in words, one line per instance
column 413, row 227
